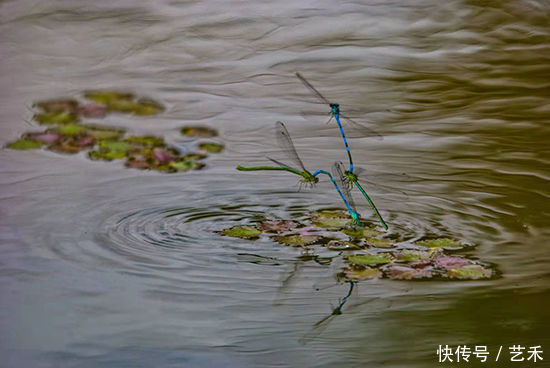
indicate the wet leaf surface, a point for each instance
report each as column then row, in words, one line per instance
column 370, row 259
column 199, row 131
column 277, row 225
column 242, row 231
column 211, row 147
column 360, row 274
column 297, row 240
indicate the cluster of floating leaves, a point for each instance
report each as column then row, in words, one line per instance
column 367, row 253
column 67, row 133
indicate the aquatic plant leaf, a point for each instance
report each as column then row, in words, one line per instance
column 469, row 272
column 92, row 110
column 25, row 144
column 277, row 225
column 450, row 262
column 408, row 255
column 57, row 105
column 338, row 245
column 110, row 150
column 360, row 274
column 199, row 131
column 446, row 243
column 183, row 165
column 399, row 272
column 56, row 118
column 242, row 231
column 145, row 141
column 106, row 96
column 211, row 147
column 384, row 243
column 69, row 129
column 370, row 259
column 44, row 137
column 330, row 219
column 162, row 155
column 194, row 156
column 101, row 133
column 147, row 107
column 297, row 240
column 361, row 233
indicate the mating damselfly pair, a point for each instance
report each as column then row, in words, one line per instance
column 342, row 179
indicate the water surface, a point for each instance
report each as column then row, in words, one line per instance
column 102, row 265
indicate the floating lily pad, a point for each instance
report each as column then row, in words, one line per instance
column 470, row 272
column 408, row 255
column 211, row 147
column 105, row 96
column 163, row 155
column 92, row 110
column 451, row 262
column 242, row 231
column 399, row 272
column 44, row 137
column 193, row 156
column 73, row 145
column 339, row 245
column 60, row 105
column 297, row 240
column 330, row 219
column 361, row 233
column 380, row 243
column 360, row 274
column 101, row 133
column 199, row 131
column 371, row 259
column 124, row 102
column 25, row 144
column 110, row 150
column 148, row 107
column 445, row 243
column 277, row 225
column 183, row 165
column 69, row 129
column 56, row 118
column 145, row 141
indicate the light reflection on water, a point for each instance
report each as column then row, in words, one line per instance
column 106, row 265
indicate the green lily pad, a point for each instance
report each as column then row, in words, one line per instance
column 446, row 243
column 24, row 144
column 469, row 272
column 371, row 259
column 297, row 240
column 183, row 165
column 106, row 96
column 338, row 245
column 361, row 233
column 101, row 133
column 110, row 150
column 147, row 107
column 360, row 274
column 198, row 131
column 145, row 141
column 56, row 118
column 408, row 255
column 70, row 129
column 58, row 105
column 242, row 231
column 211, row 147
column 193, row 156
column 330, row 218
column 384, row 243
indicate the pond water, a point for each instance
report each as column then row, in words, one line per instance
column 103, row 265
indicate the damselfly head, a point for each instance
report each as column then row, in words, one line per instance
column 335, row 108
